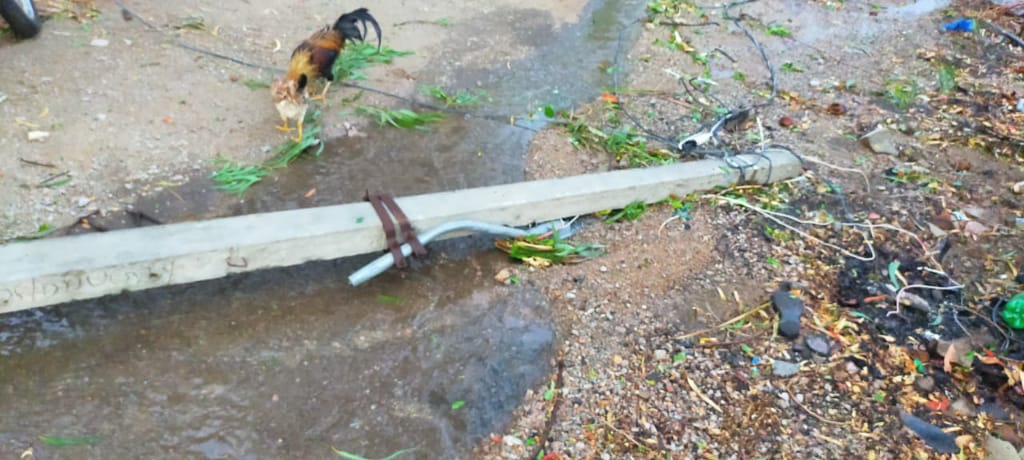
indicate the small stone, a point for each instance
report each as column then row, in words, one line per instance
column 819, row 344
column 616, row 360
column 964, row 407
column 881, row 140
column 998, row 449
column 570, row 295
column 996, row 411
column 274, row 398
column 101, row 116
column 37, row 136
column 852, row 368
column 82, row 201
column 660, row 355
column 925, row 384
column 790, row 309
column 99, row 42
column 511, row 441
column 915, row 301
column 128, row 186
column 836, row 109
column 975, row 228
column 784, row 368
column 603, row 269
column 1009, row 433
column 938, row 440
column 503, row 276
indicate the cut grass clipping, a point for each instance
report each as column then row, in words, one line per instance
column 631, row 212
column 462, row 98
column 237, row 178
column 543, row 251
column 400, row 118
column 357, row 56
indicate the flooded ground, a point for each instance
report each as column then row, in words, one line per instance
column 284, row 363
column 288, row 363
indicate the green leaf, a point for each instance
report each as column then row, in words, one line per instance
column 947, row 79
column 549, row 111
column 779, row 31
column 458, row 404
column 861, row 315
column 678, row 357
column 349, row 456
column 58, row 183
column 550, row 392
column 254, row 84
column 773, row 262
column 42, row 231
column 62, row 442
column 631, row 212
column 389, row 299
column 791, row 67
column 894, row 267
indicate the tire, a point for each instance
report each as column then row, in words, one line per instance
column 22, row 16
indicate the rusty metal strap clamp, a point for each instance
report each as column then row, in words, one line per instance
column 383, row 203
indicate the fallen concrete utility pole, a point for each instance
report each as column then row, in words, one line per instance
column 57, row 270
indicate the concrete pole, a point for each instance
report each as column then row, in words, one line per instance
column 57, row 270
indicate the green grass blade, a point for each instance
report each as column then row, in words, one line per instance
column 400, row 118
column 357, row 56
column 237, row 178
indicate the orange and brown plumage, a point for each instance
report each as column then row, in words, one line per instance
column 313, row 60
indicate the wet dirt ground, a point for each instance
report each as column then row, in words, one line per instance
column 286, row 363
column 140, row 114
column 291, row 362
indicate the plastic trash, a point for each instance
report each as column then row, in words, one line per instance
column 960, row 25
column 1013, row 312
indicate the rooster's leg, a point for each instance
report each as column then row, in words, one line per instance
column 284, row 125
column 299, row 125
column 323, row 94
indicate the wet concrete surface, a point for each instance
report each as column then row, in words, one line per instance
column 288, row 363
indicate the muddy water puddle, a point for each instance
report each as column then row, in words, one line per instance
column 288, row 363
column 282, row 364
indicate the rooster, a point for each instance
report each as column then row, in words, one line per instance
column 312, row 60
